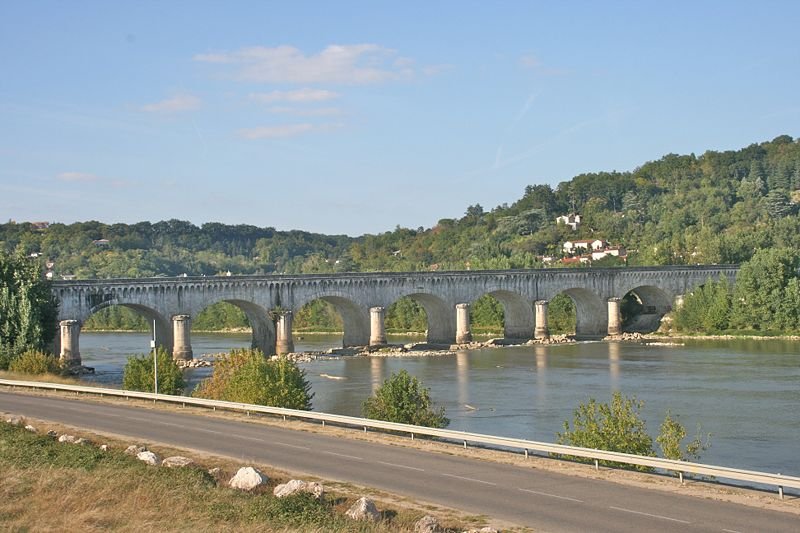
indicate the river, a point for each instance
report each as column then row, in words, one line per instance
column 746, row 393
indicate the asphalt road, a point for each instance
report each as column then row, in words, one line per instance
column 542, row 500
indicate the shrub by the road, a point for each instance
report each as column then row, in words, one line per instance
column 35, row 362
column 138, row 374
column 247, row 376
column 619, row 427
column 403, row 398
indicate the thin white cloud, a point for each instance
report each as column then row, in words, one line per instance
column 296, row 96
column 345, row 64
column 275, row 132
column 176, row 104
column 77, row 177
column 285, row 130
column 86, row 177
column 303, row 112
column 530, row 61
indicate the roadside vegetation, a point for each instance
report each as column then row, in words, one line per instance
column 618, row 426
column 139, row 374
column 404, row 399
column 28, row 309
column 246, row 376
column 50, row 486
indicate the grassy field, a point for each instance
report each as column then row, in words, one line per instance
column 48, row 486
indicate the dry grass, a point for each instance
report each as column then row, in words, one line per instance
column 48, row 486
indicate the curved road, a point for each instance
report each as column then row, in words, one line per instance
column 539, row 499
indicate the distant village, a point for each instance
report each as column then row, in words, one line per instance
column 583, row 251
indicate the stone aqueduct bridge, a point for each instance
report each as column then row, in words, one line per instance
column 361, row 298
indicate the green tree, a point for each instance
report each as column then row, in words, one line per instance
column 138, row 374
column 403, row 399
column 670, row 440
column 246, row 376
column 615, row 426
column 35, row 362
column 28, row 309
column 760, row 293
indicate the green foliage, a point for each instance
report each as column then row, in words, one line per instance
column 403, row 399
column 35, row 362
column 706, row 309
column 28, row 309
column 138, row 374
column 765, row 295
column 405, row 315
column 318, row 315
column 116, row 318
column 246, row 376
column 219, row 316
column 670, row 440
column 561, row 315
column 616, row 427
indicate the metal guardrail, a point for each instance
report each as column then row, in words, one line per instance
column 527, row 446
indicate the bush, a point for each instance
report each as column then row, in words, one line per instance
column 670, row 440
column 138, row 374
column 615, row 427
column 35, row 362
column 246, row 376
column 403, row 399
column 618, row 427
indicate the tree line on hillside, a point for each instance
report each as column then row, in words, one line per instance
column 718, row 207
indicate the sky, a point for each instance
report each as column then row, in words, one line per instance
column 358, row 117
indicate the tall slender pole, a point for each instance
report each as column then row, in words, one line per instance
column 155, row 359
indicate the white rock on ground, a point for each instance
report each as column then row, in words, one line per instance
column 215, row 472
column 14, row 420
column 104, row 447
column 247, row 478
column 486, row 529
column 297, row 485
column 176, row 461
column 135, row 449
column 66, row 438
column 427, row 524
column 30, row 428
column 364, row 509
column 149, row 458
column 82, row 441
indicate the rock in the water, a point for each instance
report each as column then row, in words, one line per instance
column 176, row 461
column 66, row 438
column 247, row 478
column 297, row 485
column 364, row 509
column 427, row 524
column 149, row 458
column 133, row 449
column 30, row 428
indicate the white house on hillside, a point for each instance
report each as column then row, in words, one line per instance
column 570, row 247
column 572, row 220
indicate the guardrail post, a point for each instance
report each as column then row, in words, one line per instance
column 596, row 464
column 780, row 489
column 323, row 423
column 526, row 453
column 365, row 429
column 412, row 436
column 465, row 445
column 680, row 475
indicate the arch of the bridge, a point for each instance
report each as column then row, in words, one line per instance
column 518, row 316
column 654, row 299
column 355, row 317
column 591, row 311
column 163, row 326
column 261, row 325
column 441, row 316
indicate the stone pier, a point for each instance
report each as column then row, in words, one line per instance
column 541, row 330
column 614, row 316
column 283, row 331
column 181, row 335
column 70, row 352
column 463, row 333
column 377, row 329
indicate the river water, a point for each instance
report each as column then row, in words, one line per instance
column 746, row 393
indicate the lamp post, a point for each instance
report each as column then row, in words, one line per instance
column 155, row 359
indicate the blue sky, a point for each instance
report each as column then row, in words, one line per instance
column 356, row 117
